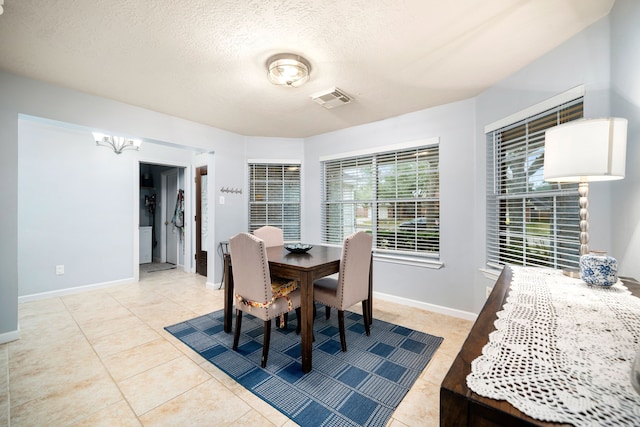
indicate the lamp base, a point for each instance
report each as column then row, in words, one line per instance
column 571, row 272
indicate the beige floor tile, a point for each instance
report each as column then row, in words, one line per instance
column 165, row 313
column 119, row 341
column 36, row 309
column 89, row 301
column 67, row 405
column 271, row 413
column 48, row 328
column 253, row 419
column 136, row 360
column 437, row 368
column 4, row 410
column 118, row 414
column 158, row 385
column 41, row 378
column 207, row 404
column 4, row 385
column 105, row 315
column 395, row 423
column 103, row 358
column 420, row 407
column 96, row 328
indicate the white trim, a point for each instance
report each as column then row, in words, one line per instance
column 491, row 273
column 71, row 291
column 425, row 306
column 538, row 108
column 274, row 161
column 411, row 261
column 10, row 336
column 382, row 149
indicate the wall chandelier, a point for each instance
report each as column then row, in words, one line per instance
column 288, row 69
column 117, row 143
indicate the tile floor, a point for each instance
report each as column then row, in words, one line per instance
column 102, row 358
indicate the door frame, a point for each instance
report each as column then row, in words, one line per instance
column 188, row 184
column 164, row 179
column 204, row 255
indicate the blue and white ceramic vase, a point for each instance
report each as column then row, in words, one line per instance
column 596, row 268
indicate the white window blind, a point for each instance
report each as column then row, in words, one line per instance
column 274, row 198
column 530, row 221
column 392, row 195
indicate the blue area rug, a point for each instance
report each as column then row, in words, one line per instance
column 361, row 387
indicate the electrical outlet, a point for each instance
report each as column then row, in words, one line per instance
column 59, row 270
column 488, row 291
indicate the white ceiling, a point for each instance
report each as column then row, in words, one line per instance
column 204, row 60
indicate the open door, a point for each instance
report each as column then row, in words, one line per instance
column 202, row 207
column 171, row 233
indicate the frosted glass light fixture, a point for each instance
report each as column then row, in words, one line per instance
column 117, row 143
column 288, row 69
column 583, row 151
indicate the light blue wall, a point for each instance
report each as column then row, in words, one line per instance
column 454, row 125
column 625, row 102
column 8, row 215
column 583, row 60
column 28, row 97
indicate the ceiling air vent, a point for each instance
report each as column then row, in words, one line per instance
column 332, row 98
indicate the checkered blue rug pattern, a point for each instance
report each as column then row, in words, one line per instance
column 360, row 387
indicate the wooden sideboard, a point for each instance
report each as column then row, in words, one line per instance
column 459, row 406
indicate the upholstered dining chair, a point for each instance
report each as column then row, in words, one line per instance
column 272, row 236
column 256, row 292
column 352, row 284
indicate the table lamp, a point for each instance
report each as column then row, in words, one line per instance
column 582, row 151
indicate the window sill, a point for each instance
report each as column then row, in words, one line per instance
column 491, row 272
column 411, row 261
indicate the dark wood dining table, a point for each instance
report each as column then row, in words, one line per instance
column 459, row 405
column 318, row 262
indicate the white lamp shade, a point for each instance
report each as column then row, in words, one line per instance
column 586, row 150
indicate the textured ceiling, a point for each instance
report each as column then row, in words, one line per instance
column 204, row 60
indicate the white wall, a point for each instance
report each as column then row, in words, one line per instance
column 625, row 102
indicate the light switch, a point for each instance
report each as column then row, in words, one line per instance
column 222, row 200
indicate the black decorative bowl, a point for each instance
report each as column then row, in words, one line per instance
column 298, row 248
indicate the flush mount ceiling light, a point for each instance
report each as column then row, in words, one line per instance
column 117, row 143
column 288, row 69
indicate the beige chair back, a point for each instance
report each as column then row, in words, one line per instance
column 251, row 276
column 353, row 278
column 272, row 236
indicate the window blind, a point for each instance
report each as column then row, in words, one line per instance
column 274, row 198
column 392, row 195
column 530, row 221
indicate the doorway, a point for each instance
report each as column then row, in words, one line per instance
column 161, row 220
column 202, row 215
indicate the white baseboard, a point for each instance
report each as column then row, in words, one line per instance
column 214, row 286
column 10, row 336
column 70, row 291
column 425, row 306
column 408, row 302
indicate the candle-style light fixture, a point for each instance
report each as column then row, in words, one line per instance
column 117, row 143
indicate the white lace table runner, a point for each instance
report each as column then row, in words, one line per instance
column 562, row 351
